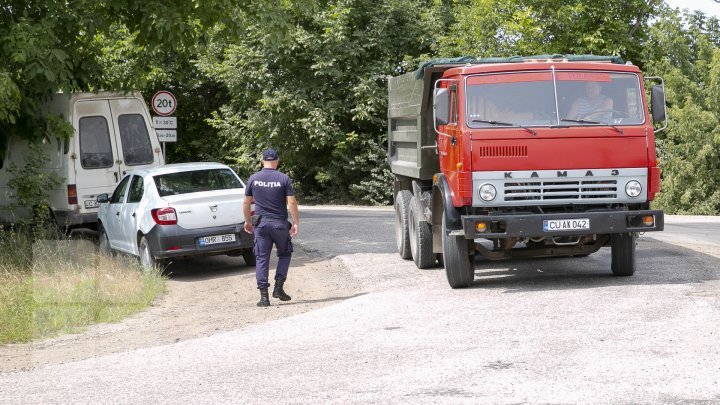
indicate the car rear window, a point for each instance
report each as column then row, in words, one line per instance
column 196, row 181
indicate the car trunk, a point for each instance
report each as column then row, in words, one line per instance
column 208, row 209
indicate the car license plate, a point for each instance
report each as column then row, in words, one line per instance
column 550, row 225
column 91, row 204
column 212, row 240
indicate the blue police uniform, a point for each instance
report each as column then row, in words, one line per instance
column 270, row 188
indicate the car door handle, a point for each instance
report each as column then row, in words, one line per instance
column 116, row 177
column 117, row 213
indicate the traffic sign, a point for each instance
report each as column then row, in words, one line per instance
column 164, row 103
column 166, row 135
column 164, row 122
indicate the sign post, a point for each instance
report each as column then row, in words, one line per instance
column 164, row 104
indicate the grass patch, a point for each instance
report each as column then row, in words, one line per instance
column 56, row 286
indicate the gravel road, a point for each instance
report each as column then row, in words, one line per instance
column 528, row 331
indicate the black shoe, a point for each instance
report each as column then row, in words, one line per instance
column 279, row 293
column 264, row 300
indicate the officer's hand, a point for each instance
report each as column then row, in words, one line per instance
column 293, row 230
column 249, row 227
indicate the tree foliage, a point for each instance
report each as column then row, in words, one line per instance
column 308, row 77
column 319, row 95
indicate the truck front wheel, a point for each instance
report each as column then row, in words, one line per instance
column 402, row 234
column 460, row 270
column 420, row 237
column 622, row 248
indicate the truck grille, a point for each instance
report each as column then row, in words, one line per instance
column 561, row 190
column 502, row 151
column 558, row 187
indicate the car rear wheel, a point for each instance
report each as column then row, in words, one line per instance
column 147, row 259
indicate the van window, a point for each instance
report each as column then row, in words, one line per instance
column 135, row 139
column 136, row 190
column 95, row 148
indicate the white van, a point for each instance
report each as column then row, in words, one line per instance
column 112, row 134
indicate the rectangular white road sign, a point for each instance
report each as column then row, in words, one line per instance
column 166, row 135
column 164, row 122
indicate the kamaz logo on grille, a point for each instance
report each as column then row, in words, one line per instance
column 589, row 173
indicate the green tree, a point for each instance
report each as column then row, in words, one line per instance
column 48, row 46
column 529, row 27
column 683, row 48
column 319, row 94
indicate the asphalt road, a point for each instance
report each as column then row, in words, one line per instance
column 527, row 331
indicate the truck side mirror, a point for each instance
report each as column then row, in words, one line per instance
column 102, row 198
column 657, row 103
column 441, row 106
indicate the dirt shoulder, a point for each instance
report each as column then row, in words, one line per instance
column 204, row 296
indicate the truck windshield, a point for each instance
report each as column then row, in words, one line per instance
column 529, row 99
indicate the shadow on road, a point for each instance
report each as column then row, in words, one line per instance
column 329, row 299
column 657, row 263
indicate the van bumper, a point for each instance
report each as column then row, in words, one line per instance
column 168, row 241
column 75, row 219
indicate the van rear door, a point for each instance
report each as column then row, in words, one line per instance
column 114, row 136
column 137, row 145
column 96, row 163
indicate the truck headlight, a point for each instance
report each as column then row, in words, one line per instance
column 487, row 192
column 633, row 188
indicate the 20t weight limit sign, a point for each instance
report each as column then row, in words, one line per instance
column 164, row 103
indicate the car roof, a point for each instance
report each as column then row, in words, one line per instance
column 178, row 167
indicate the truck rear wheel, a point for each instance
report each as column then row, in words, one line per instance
column 402, row 234
column 460, row 270
column 622, row 247
column 420, row 237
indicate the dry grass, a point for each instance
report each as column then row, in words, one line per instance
column 52, row 286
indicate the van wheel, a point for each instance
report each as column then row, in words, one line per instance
column 460, row 270
column 104, row 243
column 420, row 233
column 147, row 259
column 249, row 257
column 622, row 248
column 402, row 233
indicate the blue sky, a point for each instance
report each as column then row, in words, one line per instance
column 708, row 7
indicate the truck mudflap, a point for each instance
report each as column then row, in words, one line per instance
column 563, row 224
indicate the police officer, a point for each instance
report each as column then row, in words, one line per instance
column 272, row 193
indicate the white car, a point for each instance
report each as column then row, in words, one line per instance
column 176, row 210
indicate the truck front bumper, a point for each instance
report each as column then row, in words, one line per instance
column 536, row 225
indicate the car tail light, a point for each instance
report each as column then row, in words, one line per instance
column 164, row 216
column 72, row 194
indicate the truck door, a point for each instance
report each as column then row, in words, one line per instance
column 448, row 137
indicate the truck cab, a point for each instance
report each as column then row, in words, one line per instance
column 532, row 157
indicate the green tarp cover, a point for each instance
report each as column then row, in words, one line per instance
column 512, row 59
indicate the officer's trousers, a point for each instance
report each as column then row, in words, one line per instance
column 268, row 232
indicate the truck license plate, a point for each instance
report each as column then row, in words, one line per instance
column 91, row 204
column 212, row 240
column 550, row 225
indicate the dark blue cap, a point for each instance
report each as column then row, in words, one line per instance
column 270, row 154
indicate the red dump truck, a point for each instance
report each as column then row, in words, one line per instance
column 523, row 157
